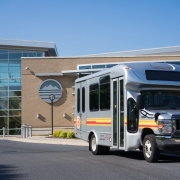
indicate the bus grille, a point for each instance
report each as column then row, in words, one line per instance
column 176, row 125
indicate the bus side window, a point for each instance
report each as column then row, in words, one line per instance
column 78, row 100
column 94, row 97
column 105, row 93
column 83, row 99
column 132, row 116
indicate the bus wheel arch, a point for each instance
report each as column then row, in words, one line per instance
column 89, row 139
column 145, row 132
column 95, row 148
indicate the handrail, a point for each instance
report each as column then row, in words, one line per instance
column 26, row 130
column 11, row 128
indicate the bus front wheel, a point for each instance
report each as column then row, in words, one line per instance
column 150, row 148
column 95, row 149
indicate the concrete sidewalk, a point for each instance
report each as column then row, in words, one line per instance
column 47, row 140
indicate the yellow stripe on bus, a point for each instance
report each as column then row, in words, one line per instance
column 148, row 123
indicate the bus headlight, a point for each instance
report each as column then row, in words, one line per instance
column 165, row 126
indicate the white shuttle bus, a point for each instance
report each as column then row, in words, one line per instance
column 129, row 106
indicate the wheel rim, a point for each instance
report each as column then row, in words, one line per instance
column 93, row 144
column 148, row 149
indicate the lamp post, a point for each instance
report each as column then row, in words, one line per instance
column 52, row 97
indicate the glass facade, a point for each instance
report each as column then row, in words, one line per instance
column 10, row 86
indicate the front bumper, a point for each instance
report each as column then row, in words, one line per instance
column 168, row 143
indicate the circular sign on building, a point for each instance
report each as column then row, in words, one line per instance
column 50, row 87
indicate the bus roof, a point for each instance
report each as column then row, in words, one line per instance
column 138, row 68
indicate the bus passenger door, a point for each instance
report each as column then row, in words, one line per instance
column 81, row 99
column 117, row 90
column 78, row 113
column 83, row 105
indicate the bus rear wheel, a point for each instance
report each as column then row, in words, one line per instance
column 95, row 149
column 150, row 149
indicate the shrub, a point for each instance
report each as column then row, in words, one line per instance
column 70, row 134
column 63, row 134
column 60, row 131
column 57, row 133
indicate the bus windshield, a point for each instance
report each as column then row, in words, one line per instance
column 161, row 99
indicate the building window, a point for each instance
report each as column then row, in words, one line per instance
column 84, row 67
column 105, row 93
column 100, row 66
column 94, row 97
column 110, row 65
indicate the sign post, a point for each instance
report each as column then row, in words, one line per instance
column 52, row 97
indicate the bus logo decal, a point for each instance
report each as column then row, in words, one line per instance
column 78, row 122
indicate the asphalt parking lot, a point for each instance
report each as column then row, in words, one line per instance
column 36, row 160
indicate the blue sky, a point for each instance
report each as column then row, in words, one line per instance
column 82, row 27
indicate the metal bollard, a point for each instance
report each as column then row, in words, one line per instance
column 27, row 131
column 30, row 131
column 23, row 131
column 4, row 131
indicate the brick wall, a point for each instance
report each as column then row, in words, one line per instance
column 32, row 104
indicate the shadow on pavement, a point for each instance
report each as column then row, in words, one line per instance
column 169, row 157
column 10, row 172
column 136, row 155
column 165, row 157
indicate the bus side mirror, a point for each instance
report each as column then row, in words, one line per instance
column 140, row 102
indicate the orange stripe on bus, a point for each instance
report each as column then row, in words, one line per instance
column 94, row 122
column 147, row 126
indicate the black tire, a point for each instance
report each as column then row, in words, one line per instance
column 105, row 150
column 150, row 148
column 95, row 149
column 89, row 145
column 141, row 148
